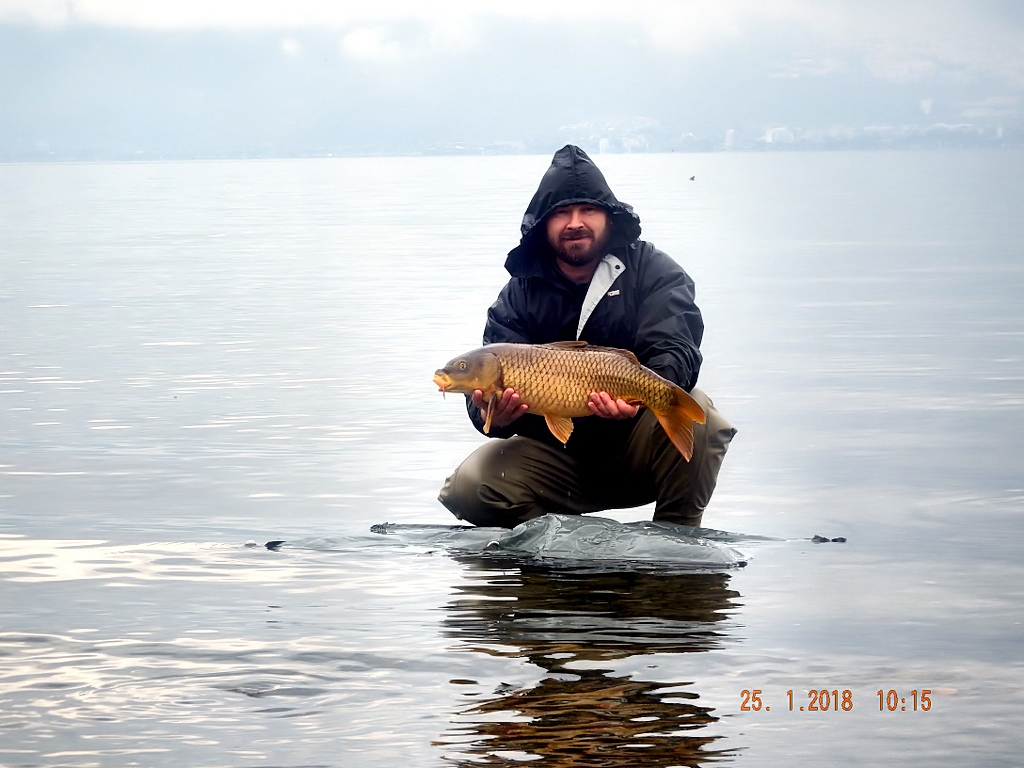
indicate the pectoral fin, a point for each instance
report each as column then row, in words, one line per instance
column 491, row 405
column 560, row 426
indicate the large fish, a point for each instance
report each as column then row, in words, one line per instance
column 555, row 381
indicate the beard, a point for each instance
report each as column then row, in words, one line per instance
column 580, row 247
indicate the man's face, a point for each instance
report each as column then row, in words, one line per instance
column 578, row 233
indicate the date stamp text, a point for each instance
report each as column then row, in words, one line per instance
column 836, row 700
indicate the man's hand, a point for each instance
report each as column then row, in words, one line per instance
column 506, row 410
column 601, row 404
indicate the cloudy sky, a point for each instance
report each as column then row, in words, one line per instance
column 211, row 78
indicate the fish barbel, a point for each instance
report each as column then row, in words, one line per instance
column 555, row 381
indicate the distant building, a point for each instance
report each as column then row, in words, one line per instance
column 778, row 134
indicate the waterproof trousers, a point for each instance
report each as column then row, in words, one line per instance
column 506, row 482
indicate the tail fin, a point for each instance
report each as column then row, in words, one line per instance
column 678, row 420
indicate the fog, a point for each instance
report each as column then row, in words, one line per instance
column 107, row 80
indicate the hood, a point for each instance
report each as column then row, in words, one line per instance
column 572, row 178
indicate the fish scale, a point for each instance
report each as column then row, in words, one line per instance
column 561, row 380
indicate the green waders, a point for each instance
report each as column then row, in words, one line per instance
column 506, row 482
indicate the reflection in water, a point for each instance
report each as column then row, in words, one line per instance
column 574, row 624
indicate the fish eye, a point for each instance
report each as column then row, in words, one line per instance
column 462, row 365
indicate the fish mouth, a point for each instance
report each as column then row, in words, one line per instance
column 442, row 381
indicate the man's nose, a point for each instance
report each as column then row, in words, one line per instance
column 576, row 220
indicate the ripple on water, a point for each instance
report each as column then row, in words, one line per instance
column 219, row 645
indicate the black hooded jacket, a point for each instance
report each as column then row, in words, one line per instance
column 649, row 308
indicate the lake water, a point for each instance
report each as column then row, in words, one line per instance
column 194, row 356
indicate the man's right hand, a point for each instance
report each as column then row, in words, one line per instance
column 508, row 408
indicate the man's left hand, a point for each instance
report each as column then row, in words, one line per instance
column 604, row 405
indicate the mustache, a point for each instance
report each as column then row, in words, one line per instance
column 580, row 233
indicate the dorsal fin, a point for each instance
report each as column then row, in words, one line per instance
column 584, row 346
column 616, row 351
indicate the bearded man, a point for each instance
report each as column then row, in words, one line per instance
column 580, row 272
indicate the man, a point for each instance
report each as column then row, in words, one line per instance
column 580, row 272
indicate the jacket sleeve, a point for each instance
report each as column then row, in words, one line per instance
column 669, row 325
column 507, row 317
column 506, row 323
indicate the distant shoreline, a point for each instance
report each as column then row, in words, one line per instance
column 776, row 149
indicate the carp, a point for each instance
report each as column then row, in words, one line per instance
column 555, row 381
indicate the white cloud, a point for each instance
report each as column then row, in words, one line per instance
column 373, row 44
column 402, row 40
column 810, row 67
column 899, row 65
column 909, row 40
column 38, row 11
column 993, row 106
column 898, row 40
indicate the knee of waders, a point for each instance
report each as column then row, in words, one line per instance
column 702, row 476
column 469, row 492
column 460, row 493
column 718, row 432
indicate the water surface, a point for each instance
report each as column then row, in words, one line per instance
column 198, row 355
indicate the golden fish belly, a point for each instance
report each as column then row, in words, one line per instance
column 559, row 383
